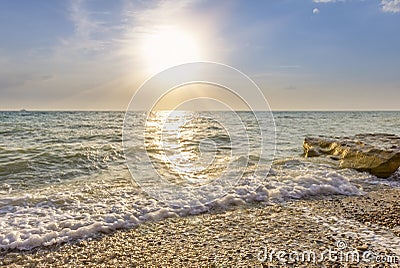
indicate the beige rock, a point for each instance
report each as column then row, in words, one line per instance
column 378, row 154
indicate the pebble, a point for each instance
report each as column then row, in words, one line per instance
column 363, row 247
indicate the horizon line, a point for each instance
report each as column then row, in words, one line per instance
column 239, row 110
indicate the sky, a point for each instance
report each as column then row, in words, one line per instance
column 302, row 54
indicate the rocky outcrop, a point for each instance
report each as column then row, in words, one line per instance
column 378, row 154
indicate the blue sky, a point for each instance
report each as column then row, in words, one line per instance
column 304, row 55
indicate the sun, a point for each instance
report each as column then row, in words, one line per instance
column 169, row 46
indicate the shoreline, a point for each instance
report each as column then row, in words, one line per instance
column 238, row 237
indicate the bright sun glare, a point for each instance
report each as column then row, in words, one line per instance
column 169, row 46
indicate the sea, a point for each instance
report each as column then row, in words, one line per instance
column 69, row 175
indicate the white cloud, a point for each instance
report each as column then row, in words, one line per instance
column 87, row 29
column 80, row 17
column 392, row 6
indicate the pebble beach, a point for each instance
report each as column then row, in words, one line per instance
column 244, row 237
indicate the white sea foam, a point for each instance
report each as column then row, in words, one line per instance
column 72, row 211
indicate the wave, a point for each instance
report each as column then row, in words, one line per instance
column 103, row 203
column 33, row 166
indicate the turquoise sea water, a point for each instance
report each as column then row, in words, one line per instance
column 63, row 175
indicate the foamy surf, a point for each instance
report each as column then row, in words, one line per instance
column 61, row 213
